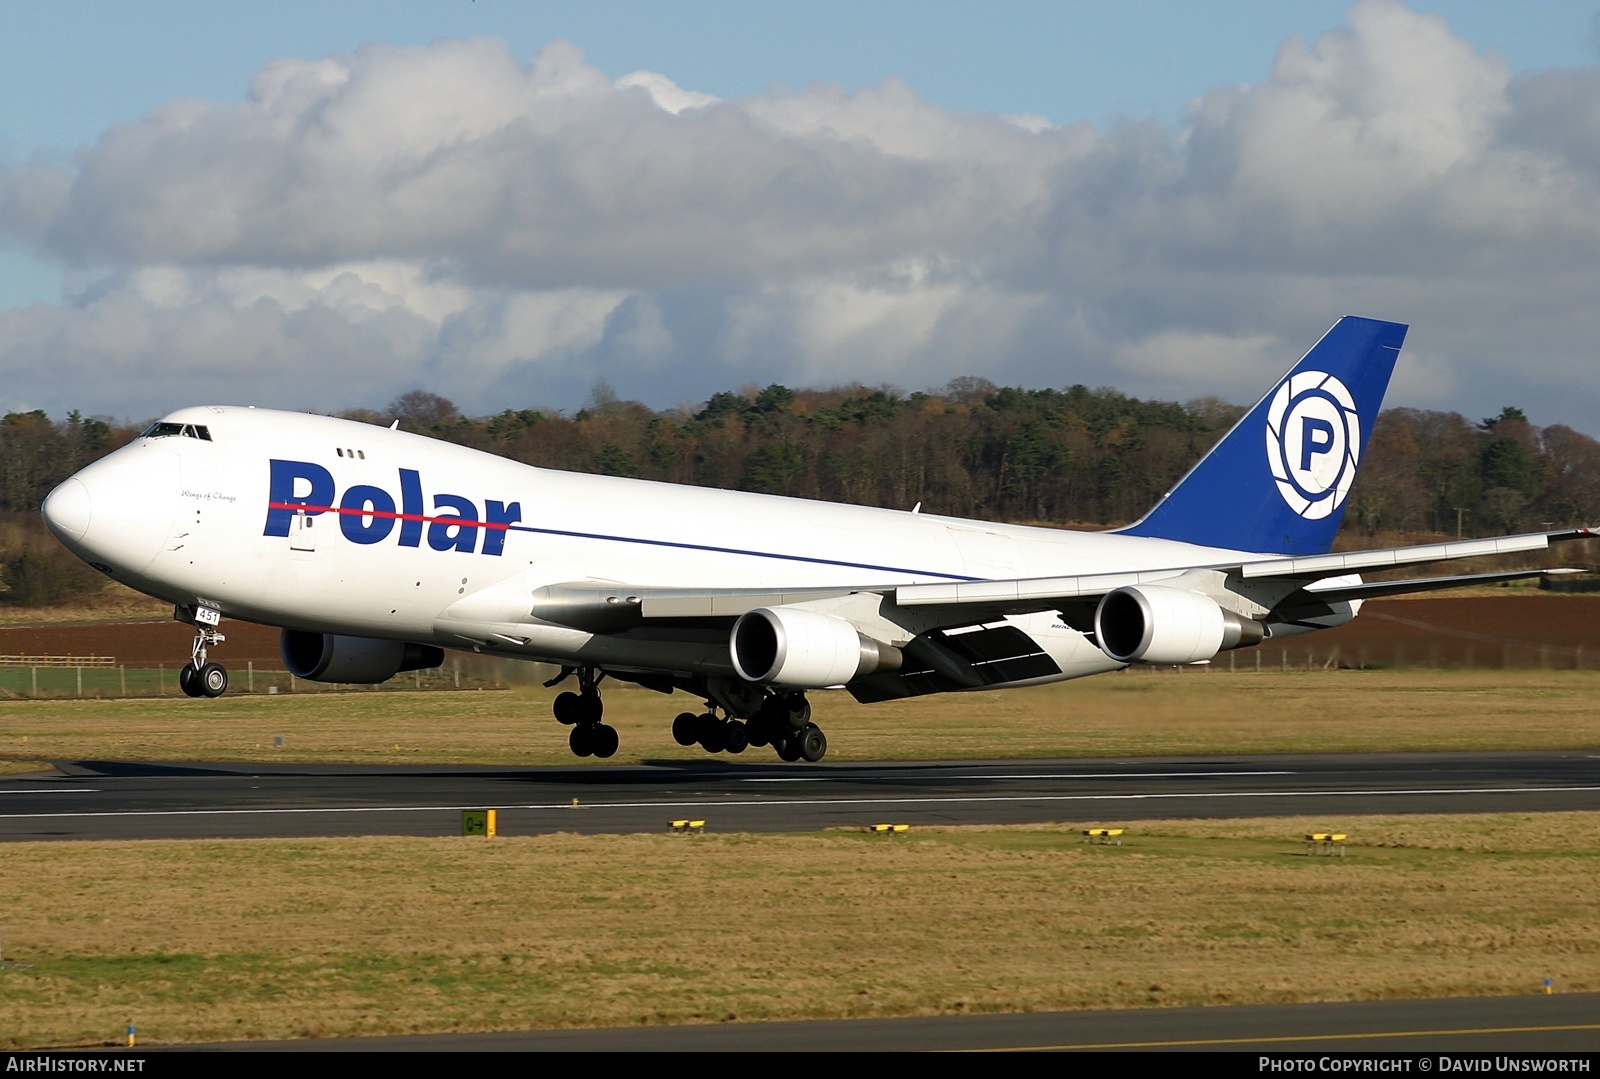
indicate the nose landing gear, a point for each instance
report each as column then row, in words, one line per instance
column 200, row 677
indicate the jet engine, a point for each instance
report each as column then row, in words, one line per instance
column 329, row 657
column 802, row 649
column 1157, row 624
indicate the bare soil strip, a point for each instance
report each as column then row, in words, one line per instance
column 1516, row 628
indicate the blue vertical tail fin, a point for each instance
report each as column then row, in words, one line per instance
column 1278, row 481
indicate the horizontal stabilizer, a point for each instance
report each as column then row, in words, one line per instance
column 1375, row 589
column 1331, row 565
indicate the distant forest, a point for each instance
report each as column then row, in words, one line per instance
column 1079, row 457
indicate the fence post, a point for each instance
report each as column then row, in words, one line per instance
column 250, row 676
column 80, row 681
column 122, row 673
column 34, row 679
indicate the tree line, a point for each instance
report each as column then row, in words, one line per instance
column 1076, row 456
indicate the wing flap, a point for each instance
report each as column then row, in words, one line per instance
column 601, row 608
column 1029, row 590
column 947, row 660
column 729, row 604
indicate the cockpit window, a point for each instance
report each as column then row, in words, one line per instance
column 187, row 430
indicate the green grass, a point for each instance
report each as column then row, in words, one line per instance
column 212, row 940
column 1133, row 713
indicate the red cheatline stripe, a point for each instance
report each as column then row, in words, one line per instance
column 464, row 522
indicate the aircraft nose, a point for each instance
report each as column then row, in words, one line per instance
column 118, row 511
column 68, row 510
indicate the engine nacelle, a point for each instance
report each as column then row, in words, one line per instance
column 1157, row 624
column 801, row 649
column 329, row 657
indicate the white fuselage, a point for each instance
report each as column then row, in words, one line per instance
column 193, row 521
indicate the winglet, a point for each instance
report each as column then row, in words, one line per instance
column 1278, row 481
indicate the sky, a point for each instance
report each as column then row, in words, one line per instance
column 322, row 206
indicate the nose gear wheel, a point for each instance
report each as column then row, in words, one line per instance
column 200, row 677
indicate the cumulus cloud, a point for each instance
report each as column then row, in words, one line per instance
column 505, row 233
column 666, row 93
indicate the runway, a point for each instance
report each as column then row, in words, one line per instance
column 127, row 800
column 1528, row 1024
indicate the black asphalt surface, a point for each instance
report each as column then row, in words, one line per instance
column 126, row 800
column 1530, row 1024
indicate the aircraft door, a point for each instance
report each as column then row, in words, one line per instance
column 302, row 533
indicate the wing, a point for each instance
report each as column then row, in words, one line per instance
column 925, row 638
column 1269, row 583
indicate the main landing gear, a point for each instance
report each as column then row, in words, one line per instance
column 199, row 677
column 783, row 721
column 582, row 711
column 738, row 715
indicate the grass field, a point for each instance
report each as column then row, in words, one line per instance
column 1137, row 712
column 287, row 938
column 206, row 940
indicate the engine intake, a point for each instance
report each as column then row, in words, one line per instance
column 1156, row 624
column 801, row 649
column 329, row 657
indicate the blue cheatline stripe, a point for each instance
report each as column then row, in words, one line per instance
column 741, row 551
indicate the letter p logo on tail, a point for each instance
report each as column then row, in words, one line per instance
column 1313, row 426
column 1313, row 442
